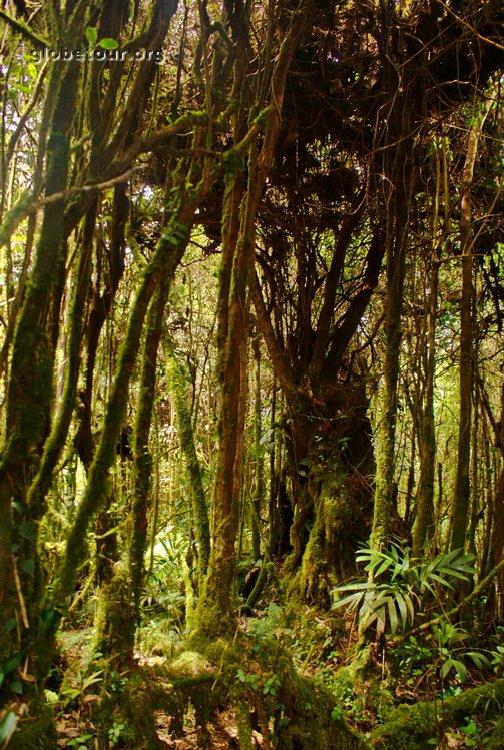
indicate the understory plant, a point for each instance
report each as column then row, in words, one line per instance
column 398, row 586
column 438, row 661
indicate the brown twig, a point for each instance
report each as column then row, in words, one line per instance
column 22, row 606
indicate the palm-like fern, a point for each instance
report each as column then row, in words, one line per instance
column 397, row 585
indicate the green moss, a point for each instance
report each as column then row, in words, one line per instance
column 189, row 663
column 310, row 721
column 496, row 739
column 130, row 710
column 232, row 162
column 192, row 467
column 255, row 677
column 242, row 716
column 115, row 623
column 262, row 117
column 410, row 727
column 333, row 515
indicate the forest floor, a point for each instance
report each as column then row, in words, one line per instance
column 321, row 646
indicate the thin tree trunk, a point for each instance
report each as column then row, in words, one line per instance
column 462, row 491
column 258, row 496
column 423, row 527
column 119, row 597
column 30, row 392
column 215, row 612
column 162, row 266
column 192, row 466
column 397, row 226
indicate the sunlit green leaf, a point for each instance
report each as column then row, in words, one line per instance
column 108, row 43
column 91, row 34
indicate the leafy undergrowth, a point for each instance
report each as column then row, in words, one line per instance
column 287, row 680
column 172, row 683
column 243, row 693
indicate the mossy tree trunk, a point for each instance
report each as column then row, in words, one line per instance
column 215, row 613
column 30, row 387
column 160, row 269
column 257, row 500
column 462, row 491
column 119, row 597
column 395, row 205
column 192, row 467
column 326, row 426
column 423, row 527
column 385, row 474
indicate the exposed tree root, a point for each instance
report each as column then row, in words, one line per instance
column 244, row 693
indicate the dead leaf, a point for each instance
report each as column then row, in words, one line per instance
column 91, row 698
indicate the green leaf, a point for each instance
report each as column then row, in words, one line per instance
column 20, row 87
column 445, row 668
column 401, row 605
column 28, row 566
column 12, row 663
column 411, row 608
column 380, row 623
column 457, row 665
column 426, row 585
column 108, row 43
column 28, row 531
column 351, row 601
column 50, row 617
column 457, row 574
column 8, row 726
column 355, row 587
column 92, row 678
column 362, row 555
column 16, row 687
column 460, row 669
column 392, row 615
column 91, row 34
column 439, row 579
column 266, row 438
column 479, row 659
column 383, row 567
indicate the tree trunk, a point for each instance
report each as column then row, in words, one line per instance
column 161, row 267
column 30, row 388
column 462, row 491
column 423, row 527
column 192, row 467
column 215, row 613
column 397, row 225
